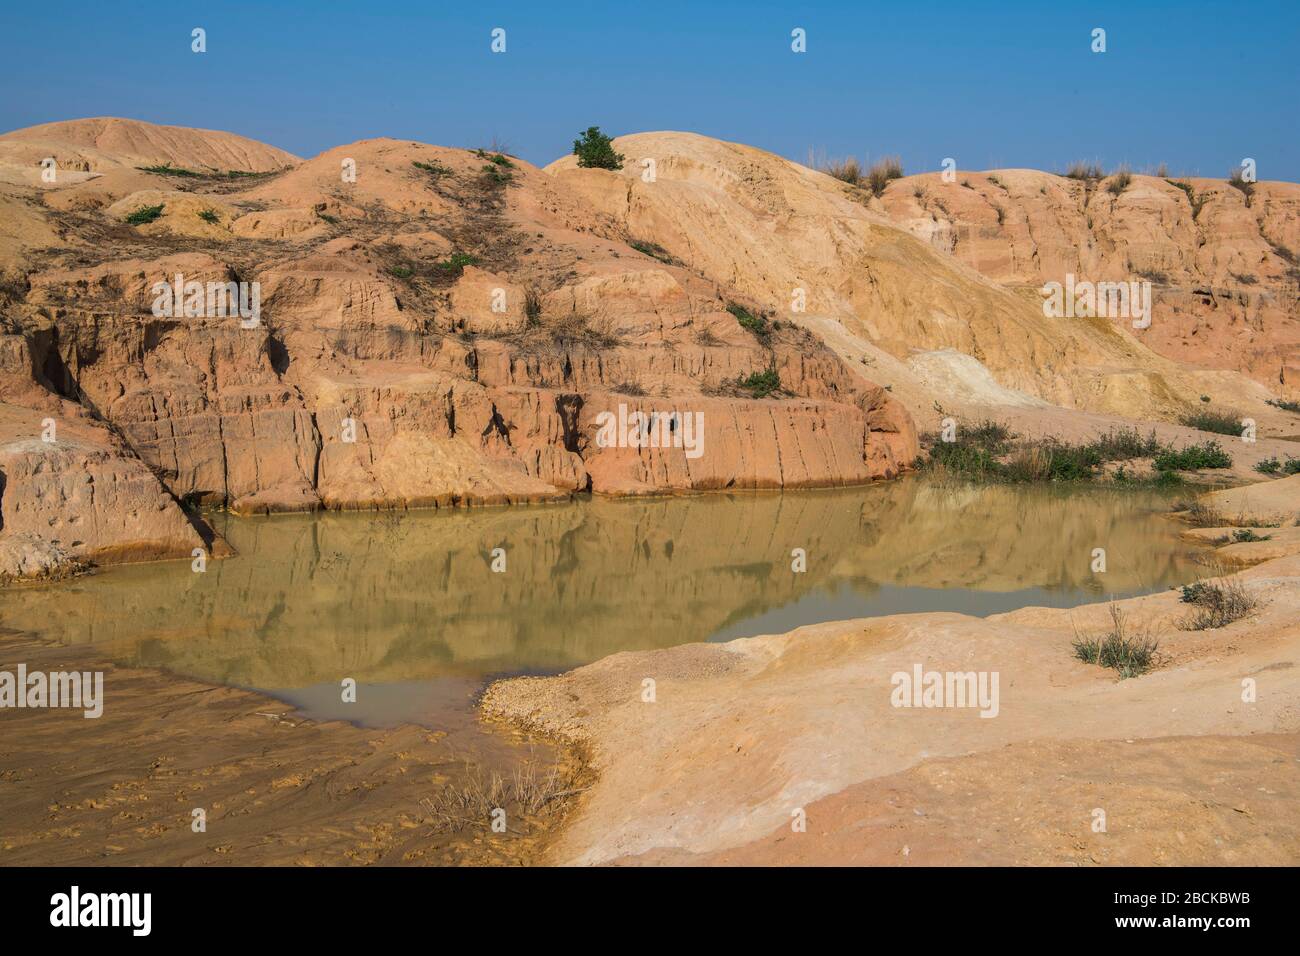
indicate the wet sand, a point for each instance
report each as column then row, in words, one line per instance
column 277, row 789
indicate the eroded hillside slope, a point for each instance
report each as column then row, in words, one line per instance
column 445, row 327
column 1222, row 258
column 905, row 307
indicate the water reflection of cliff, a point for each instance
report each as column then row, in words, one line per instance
column 313, row 598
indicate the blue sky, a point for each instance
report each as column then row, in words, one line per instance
column 1196, row 85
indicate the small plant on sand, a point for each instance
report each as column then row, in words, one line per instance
column 847, row 170
column 1196, row 202
column 1200, row 515
column 1245, row 535
column 635, row 389
column 595, row 150
column 1207, row 455
column 401, row 272
column 1216, row 603
column 1293, row 407
column 532, row 305
column 435, row 169
column 1128, row 649
column 455, row 263
column 1210, row 420
column 1119, row 182
column 706, row 337
column 144, row 214
column 653, row 250
column 497, row 175
column 209, row 215
column 882, row 171
column 1084, row 171
column 579, row 329
column 1246, row 188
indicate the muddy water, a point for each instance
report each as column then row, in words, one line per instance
column 409, row 607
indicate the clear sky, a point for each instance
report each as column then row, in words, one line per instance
column 1197, row 85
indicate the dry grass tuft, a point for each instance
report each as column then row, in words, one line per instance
column 529, row 793
column 1129, row 649
column 1216, row 602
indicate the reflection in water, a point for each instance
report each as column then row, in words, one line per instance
column 410, row 601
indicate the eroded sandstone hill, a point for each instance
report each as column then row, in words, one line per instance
column 936, row 313
column 1224, row 260
column 446, row 326
column 450, row 326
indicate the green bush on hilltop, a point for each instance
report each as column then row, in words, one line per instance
column 595, row 150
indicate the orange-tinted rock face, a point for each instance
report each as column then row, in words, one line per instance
column 1222, row 265
column 421, row 335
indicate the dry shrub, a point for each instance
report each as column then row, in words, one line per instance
column 1216, row 602
column 469, row 803
column 1129, row 649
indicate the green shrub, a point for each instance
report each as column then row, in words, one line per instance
column 401, row 272
column 761, row 384
column 209, row 215
column 756, row 324
column 1207, row 455
column 1244, row 535
column 595, row 150
column 1272, row 466
column 1293, row 407
column 456, row 263
column 985, row 452
column 145, row 214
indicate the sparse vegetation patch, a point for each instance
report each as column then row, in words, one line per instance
column 1206, row 455
column 1216, row 603
column 1209, row 420
column 145, row 214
